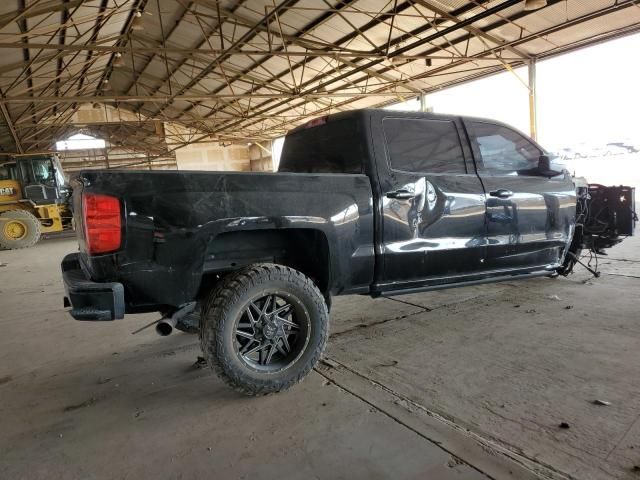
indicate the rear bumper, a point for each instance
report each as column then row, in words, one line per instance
column 90, row 300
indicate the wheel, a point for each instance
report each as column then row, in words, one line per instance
column 263, row 328
column 19, row 229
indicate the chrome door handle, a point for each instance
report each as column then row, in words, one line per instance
column 401, row 194
column 501, row 193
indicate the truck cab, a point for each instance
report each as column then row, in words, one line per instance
column 457, row 199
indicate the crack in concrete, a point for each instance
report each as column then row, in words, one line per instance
column 428, row 309
column 622, row 275
column 523, row 425
column 620, row 260
column 423, row 308
column 448, row 304
column 397, row 420
column 623, row 437
column 362, row 326
column 511, row 452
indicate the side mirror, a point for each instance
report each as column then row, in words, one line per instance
column 544, row 163
column 544, row 167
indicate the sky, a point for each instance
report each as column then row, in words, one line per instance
column 590, row 95
column 80, row 141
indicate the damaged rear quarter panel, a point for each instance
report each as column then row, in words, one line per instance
column 172, row 217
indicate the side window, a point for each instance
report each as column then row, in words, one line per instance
column 503, row 151
column 8, row 171
column 26, row 172
column 423, row 146
column 44, row 172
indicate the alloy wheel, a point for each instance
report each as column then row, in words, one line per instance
column 271, row 332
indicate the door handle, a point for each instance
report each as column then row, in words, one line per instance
column 501, row 193
column 401, row 194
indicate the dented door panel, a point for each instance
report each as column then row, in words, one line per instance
column 534, row 225
column 432, row 224
column 437, row 232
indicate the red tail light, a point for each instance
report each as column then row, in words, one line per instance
column 102, row 224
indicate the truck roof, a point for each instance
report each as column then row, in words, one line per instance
column 361, row 114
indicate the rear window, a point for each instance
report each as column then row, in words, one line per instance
column 335, row 147
column 423, row 146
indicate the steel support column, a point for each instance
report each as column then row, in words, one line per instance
column 533, row 107
column 423, row 102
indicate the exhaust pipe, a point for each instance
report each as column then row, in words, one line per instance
column 166, row 324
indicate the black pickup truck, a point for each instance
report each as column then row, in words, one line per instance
column 368, row 202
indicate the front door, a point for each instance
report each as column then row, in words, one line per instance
column 530, row 216
column 432, row 201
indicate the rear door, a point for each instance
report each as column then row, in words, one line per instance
column 530, row 217
column 431, row 200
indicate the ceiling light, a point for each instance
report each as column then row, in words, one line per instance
column 118, row 60
column 534, row 4
column 106, row 86
column 136, row 23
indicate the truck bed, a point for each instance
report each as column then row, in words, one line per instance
column 170, row 219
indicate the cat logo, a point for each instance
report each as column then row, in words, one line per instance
column 7, row 191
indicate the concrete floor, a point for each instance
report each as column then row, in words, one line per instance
column 467, row 383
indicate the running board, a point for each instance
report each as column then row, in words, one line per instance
column 428, row 288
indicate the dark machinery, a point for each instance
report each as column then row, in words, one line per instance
column 34, row 199
column 605, row 216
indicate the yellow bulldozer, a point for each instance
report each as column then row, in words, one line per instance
column 34, row 199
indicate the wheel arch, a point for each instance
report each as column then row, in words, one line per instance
column 304, row 249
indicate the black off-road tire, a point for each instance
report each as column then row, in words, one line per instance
column 226, row 304
column 26, row 219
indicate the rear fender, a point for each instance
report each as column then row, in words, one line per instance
column 304, row 249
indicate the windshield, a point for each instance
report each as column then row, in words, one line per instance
column 38, row 171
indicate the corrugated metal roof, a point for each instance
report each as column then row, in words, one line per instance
column 252, row 69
